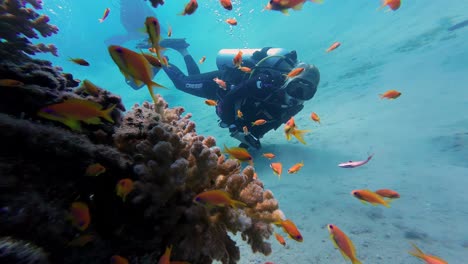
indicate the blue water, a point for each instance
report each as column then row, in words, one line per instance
column 420, row 140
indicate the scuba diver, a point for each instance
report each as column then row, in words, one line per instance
column 264, row 93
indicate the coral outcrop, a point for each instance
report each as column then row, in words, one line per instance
column 43, row 165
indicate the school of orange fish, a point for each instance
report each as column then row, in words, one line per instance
column 138, row 68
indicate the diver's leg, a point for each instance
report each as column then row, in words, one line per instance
column 192, row 67
column 181, row 46
column 201, row 85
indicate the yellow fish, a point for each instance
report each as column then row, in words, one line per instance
column 134, row 66
column 241, row 154
column 72, row 111
column 123, row 188
column 217, row 198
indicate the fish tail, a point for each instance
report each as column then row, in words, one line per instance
column 299, row 135
column 106, row 114
column 101, row 20
column 151, row 86
column 384, row 3
column 237, row 204
column 416, row 251
column 355, row 261
column 317, row 1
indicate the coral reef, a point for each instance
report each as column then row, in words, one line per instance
column 43, row 165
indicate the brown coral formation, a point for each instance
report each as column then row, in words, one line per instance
column 43, row 163
column 173, row 164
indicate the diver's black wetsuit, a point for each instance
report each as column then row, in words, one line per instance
column 257, row 97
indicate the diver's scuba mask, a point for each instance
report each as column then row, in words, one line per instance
column 301, row 87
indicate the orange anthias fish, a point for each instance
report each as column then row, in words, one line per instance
column 259, row 122
column 153, row 28
column 10, row 83
column 290, row 129
column 296, row 167
column 238, row 59
column 211, row 102
column 169, row 31
column 226, row 4
column 123, row 188
column 79, row 61
column 116, row 259
column 81, row 241
column 283, row 6
column 390, row 94
column 393, row 4
column 269, row 155
column 246, row 130
column 220, row 83
column 231, row 21
column 343, row 243
column 294, row 72
column 134, row 66
column 95, row 169
column 239, row 114
column 166, row 257
column 155, row 62
column 80, row 215
column 370, row 197
column 202, row 60
column 190, row 8
column 240, row 154
column 72, row 111
column 91, row 88
column 280, row 239
column 333, row 46
column 106, row 13
column 315, row 117
column 388, row 193
column 277, row 168
column 245, row 69
column 290, row 228
column 428, row 258
column 217, row 198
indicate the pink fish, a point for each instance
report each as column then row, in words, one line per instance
column 354, row 164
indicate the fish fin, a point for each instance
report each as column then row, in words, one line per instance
column 237, row 204
column 71, row 123
column 93, row 121
column 416, row 252
column 106, row 114
column 84, row 102
column 317, row 1
column 226, row 149
column 299, row 135
column 298, row 7
column 151, row 86
column 285, row 12
column 137, row 82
